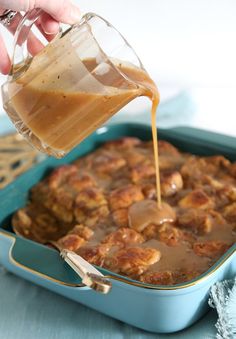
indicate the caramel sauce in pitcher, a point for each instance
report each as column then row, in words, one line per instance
column 62, row 111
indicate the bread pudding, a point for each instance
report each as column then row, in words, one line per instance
column 103, row 207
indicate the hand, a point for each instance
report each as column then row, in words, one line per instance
column 54, row 11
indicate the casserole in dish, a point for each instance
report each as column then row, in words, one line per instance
column 154, row 308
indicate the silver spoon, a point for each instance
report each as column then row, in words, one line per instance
column 90, row 276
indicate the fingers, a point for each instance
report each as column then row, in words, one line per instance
column 61, row 10
column 48, row 24
column 34, row 45
column 56, row 11
column 5, row 63
column 48, row 28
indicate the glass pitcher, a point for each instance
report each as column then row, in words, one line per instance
column 56, row 95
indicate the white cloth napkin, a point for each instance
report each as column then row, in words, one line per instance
column 223, row 299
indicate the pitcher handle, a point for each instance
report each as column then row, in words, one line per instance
column 21, row 56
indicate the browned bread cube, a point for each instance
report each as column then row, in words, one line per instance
column 71, row 242
column 212, row 248
column 125, row 196
column 133, row 260
column 120, row 217
column 122, row 237
column 171, row 183
column 196, row 199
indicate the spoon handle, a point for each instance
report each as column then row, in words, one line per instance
column 90, row 276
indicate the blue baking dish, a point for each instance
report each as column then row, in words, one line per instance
column 162, row 309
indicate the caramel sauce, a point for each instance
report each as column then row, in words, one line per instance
column 145, row 212
column 174, row 257
column 62, row 100
column 156, row 157
column 63, row 109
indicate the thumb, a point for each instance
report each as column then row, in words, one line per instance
column 61, row 10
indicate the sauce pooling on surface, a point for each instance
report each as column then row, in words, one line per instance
column 145, row 212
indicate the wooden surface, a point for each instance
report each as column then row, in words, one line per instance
column 16, row 156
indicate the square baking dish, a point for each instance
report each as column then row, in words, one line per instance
column 161, row 309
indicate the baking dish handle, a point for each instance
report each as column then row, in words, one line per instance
column 46, row 268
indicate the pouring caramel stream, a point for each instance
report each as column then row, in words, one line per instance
column 62, row 109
